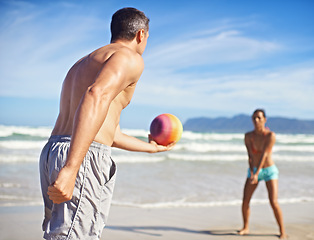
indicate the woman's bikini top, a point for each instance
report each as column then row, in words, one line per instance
column 254, row 150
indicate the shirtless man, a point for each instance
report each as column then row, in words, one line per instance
column 259, row 144
column 76, row 170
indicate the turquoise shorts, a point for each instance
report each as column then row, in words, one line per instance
column 266, row 174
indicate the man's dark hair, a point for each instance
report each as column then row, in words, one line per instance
column 126, row 22
column 260, row 110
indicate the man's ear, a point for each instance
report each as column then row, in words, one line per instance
column 140, row 35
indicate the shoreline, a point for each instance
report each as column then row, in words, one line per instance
column 24, row 222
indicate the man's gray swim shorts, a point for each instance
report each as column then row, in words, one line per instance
column 85, row 215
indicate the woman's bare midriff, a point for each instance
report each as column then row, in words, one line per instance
column 268, row 162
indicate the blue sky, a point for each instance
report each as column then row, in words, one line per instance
column 204, row 58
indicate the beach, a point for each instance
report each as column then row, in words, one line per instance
column 192, row 192
column 130, row 223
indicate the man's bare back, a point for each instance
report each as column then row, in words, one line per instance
column 79, row 78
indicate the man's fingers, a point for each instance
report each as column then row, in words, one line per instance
column 58, row 197
column 52, row 189
column 54, row 195
column 171, row 145
column 57, row 200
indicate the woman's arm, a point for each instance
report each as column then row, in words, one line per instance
column 248, row 148
column 270, row 141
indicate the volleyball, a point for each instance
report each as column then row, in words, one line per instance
column 165, row 129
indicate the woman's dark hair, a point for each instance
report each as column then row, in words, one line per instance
column 260, row 110
column 126, row 22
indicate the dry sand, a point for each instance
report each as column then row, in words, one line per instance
column 126, row 223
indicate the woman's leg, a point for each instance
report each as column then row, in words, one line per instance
column 247, row 195
column 272, row 187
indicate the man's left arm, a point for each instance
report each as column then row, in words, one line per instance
column 126, row 142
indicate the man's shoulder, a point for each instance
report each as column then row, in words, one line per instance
column 119, row 48
column 128, row 53
column 129, row 58
column 109, row 50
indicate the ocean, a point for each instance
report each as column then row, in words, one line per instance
column 203, row 170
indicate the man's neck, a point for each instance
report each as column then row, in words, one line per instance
column 125, row 43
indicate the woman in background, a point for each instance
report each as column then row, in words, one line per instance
column 259, row 144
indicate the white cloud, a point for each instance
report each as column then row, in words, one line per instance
column 39, row 44
column 212, row 70
column 285, row 89
column 219, row 48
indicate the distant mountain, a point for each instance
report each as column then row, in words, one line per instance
column 243, row 123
